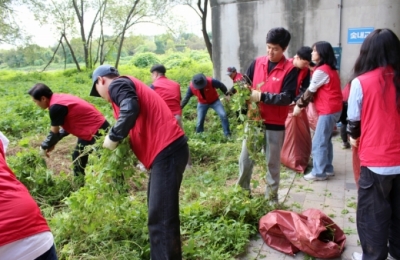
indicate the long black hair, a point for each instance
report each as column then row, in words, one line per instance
column 326, row 54
column 381, row 48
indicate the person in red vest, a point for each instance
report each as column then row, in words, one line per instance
column 204, row 88
column 160, row 145
column 75, row 115
column 273, row 82
column 327, row 94
column 301, row 61
column 374, row 127
column 169, row 91
column 24, row 233
column 234, row 75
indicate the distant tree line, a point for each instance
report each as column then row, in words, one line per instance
column 34, row 55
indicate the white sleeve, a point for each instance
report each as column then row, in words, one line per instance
column 318, row 79
column 5, row 141
column 355, row 101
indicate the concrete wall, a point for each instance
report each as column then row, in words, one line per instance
column 240, row 27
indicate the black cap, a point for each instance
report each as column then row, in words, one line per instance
column 101, row 71
column 230, row 70
column 199, row 81
column 159, row 68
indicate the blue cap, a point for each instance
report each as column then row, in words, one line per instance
column 101, row 71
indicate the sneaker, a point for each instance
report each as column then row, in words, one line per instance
column 330, row 174
column 310, row 177
column 345, row 145
column 390, row 257
column 356, row 256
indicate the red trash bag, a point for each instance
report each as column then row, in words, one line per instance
column 296, row 149
column 312, row 232
column 312, row 115
column 356, row 164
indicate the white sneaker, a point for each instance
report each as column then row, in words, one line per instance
column 356, row 256
column 310, row 177
column 330, row 174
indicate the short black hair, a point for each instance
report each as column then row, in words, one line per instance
column 159, row 68
column 40, row 90
column 304, row 53
column 280, row 36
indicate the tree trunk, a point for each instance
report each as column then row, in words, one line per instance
column 54, row 54
column 72, row 53
column 203, row 11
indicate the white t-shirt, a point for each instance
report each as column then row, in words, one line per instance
column 28, row 248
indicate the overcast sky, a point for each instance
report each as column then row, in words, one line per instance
column 47, row 36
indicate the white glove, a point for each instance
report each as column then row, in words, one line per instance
column 354, row 142
column 42, row 152
column 109, row 144
column 296, row 110
column 255, row 96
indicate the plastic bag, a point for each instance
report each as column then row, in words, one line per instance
column 356, row 164
column 311, row 232
column 296, row 149
column 312, row 115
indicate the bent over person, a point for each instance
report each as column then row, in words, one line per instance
column 160, row 145
column 24, row 233
column 204, row 88
column 75, row 115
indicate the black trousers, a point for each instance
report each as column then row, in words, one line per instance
column 378, row 215
column 80, row 162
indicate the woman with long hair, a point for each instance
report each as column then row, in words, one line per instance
column 374, row 127
column 325, row 90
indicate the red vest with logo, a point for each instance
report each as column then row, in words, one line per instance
column 380, row 120
column 83, row 119
column 20, row 216
column 328, row 99
column 238, row 77
column 155, row 127
column 170, row 91
column 301, row 75
column 210, row 93
column 271, row 82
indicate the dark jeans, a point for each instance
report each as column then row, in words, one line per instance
column 49, row 255
column 378, row 215
column 343, row 120
column 80, row 162
column 163, row 200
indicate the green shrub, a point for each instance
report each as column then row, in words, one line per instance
column 146, row 59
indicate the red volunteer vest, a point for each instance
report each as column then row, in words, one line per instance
column 271, row 82
column 210, row 93
column 155, row 127
column 328, row 98
column 238, row 77
column 83, row 119
column 170, row 91
column 20, row 216
column 346, row 92
column 301, row 75
column 380, row 121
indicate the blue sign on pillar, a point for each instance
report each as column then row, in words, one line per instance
column 357, row 35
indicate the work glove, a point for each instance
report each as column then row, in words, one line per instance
column 296, row 110
column 255, row 96
column 109, row 144
column 42, row 152
column 354, row 142
column 228, row 98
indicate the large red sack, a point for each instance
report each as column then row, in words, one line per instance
column 290, row 232
column 312, row 115
column 296, row 149
column 356, row 164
